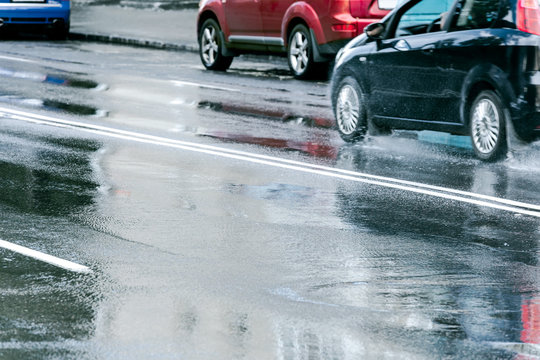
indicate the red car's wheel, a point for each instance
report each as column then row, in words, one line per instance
column 210, row 47
column 300, row 53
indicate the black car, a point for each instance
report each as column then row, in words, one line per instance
column 467, row 67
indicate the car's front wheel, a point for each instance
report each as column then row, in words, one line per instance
column 488, row 126
column 211, row 47
column 349, row 110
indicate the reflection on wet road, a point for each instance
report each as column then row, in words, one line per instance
column 219, row 227
column 44, row 309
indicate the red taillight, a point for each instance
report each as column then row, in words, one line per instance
column 344, row 27
column 528, row 16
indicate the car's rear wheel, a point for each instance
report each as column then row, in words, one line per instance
column 349, row 110
column 211, row 47
column 300, row 53
column 488, row 126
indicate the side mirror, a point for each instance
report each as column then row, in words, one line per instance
column 374, row 31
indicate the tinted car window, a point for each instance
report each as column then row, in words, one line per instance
column 417, row 19
column 478, row 14
column 508, row 12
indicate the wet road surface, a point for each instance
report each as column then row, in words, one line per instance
column 222, row 218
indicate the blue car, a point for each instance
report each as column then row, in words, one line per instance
column 49, row 15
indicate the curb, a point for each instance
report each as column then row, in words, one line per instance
column 112, row 39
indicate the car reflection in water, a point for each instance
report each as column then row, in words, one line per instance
column 319, row 147
column 10, row 97
column 308, row 147
column 530, row 318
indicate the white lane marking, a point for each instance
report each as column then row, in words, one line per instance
column 16, row 59
column 410, row 186
column 53, row 260
column 204, row 86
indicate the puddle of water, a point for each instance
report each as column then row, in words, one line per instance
column 75, row 109
column 52, row 79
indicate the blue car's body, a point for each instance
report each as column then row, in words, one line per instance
column 52, row 15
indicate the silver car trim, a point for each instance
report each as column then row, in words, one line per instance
column 263, row 40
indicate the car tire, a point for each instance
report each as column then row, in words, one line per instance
column 487, row 121
column 350, row 110
column 211, row 47
column 300, row 53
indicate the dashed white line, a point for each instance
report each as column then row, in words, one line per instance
column 204, row 86
column 53, row 260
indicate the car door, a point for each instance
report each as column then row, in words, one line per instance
column 408, row 74
column 272, row 13
column 243, row 19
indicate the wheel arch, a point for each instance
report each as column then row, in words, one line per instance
column 347, row 70
column 203, row 17
column 481, row 78
column 213, row 10
column 301, row 13
column 211, row 14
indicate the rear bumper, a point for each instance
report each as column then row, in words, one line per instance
column 340, row 30
column 35, row 13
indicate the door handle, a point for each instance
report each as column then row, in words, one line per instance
column 428, row 48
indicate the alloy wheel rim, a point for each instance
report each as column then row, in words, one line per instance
column 348, row 110
column 485, row 126
column 209, row 45
column 299, row 56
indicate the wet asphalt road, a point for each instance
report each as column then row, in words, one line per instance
column 244, row 228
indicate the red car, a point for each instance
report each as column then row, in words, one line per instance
column 310, row 32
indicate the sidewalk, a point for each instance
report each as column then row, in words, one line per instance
column 171, row 29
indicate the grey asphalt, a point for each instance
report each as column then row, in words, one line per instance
column 155, row 28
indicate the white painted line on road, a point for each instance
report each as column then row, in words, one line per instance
column 204, row 86
column 409, row 186
column 53, row 260
column 16, row 59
